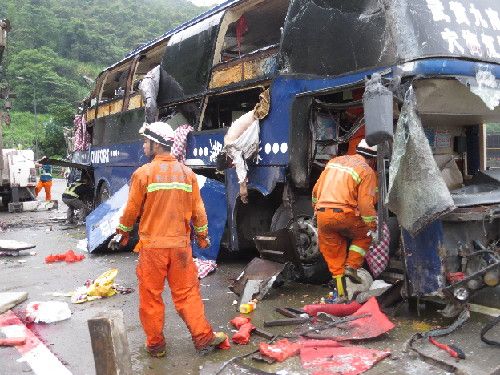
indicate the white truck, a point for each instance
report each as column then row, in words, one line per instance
column 18, row 177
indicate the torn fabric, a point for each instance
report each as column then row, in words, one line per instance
column 149, row 88
column 180, row 142
column 81, row 137
column 330, row 357
column 417, row 193
column 240, row 144
column 205, row 267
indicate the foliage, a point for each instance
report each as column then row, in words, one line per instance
column 22, row 130
column 493, row 128
column 54, row 44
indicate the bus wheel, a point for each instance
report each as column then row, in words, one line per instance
column 103, row 193
column 314, row 266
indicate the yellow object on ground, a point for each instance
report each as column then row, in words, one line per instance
column 100, row 287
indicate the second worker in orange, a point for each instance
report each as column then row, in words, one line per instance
column 344, row 202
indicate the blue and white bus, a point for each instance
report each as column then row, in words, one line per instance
column 314, row 56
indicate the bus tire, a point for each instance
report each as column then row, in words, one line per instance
column 103, row 193
column 314, row 266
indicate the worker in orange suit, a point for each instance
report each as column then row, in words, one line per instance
column 344, row 202
column 165, row 194
column 45, row 181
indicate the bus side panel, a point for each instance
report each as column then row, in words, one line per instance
column 261, row 179
column 423, row 262
column 114, row 164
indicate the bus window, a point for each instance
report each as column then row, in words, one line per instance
column 222, row 110
column 115, row 83
column 146, row 62
column 181, row 114
column 251, row 29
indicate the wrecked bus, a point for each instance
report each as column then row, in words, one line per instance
column 439, row 59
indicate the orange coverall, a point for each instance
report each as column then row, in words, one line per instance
column 47, row 186
column 344, row 201
column 166, row 195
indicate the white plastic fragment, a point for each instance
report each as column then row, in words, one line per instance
column 47, row 312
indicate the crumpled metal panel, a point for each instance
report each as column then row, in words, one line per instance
column 324, row 37
column 482, row 189
column 417, row 193
column 101, row 223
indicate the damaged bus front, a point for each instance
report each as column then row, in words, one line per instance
column 439, row 62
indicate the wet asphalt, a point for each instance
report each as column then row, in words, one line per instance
column 69, row 340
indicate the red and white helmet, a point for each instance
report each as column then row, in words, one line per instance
column 159, row 132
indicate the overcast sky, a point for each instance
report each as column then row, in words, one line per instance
column 206, row 2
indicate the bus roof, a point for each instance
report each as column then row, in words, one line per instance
column 201, row 17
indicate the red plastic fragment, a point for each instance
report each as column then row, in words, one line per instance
column 242, row 337
column 335, row 309
column 279, row 351
column 455, row 277
column 68, row 257
column 238, row 321
column 330, row 357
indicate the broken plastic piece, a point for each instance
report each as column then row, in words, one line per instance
column 47, row 312
column 238, row 321
column 280, row 351
column 242, row 337
column 68, row 257
column 328, row 356
column 333, row 309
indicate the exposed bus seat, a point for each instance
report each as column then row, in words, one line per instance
column 255, row 65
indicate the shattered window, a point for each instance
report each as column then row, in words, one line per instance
column 115, row 83
column 222, row 110
column 254, row 29
column 147, row 61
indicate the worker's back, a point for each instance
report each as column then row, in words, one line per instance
column 338, row 185
column 172, row 200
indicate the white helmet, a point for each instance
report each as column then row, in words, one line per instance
column 365, row 150
column 159, row 132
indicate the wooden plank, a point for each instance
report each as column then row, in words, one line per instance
column 286, row 312
column 109, row 344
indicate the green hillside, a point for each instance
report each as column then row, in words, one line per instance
column 54, row 44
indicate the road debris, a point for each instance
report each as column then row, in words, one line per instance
column 205, row 267
column 279, row 351
column 451, row 349
column 34, row 352
column 331, row 357
column 10, row 299
column 485, row 330
column 101, row 287
column 47, row 312
column 68, row 257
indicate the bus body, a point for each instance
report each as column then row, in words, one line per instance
column 314, row 55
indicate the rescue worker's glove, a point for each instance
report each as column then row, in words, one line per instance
column 120, row 239
column 373, row 233
column 203, row 242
